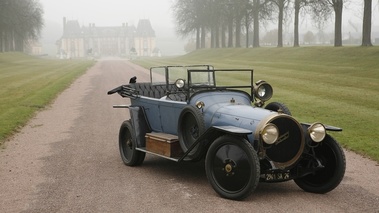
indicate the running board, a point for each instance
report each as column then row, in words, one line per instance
column 121, row 106
column 143, row 149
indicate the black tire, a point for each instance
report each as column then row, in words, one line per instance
column 232, row 167
column 127, row 144
column 331, row 155
column 190, row 127
column 277, row 106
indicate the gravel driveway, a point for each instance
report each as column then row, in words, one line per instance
column 66, row 159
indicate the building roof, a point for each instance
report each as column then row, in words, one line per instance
column 144, row 28
column 73, row 29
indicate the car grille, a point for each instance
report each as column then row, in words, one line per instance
column 290, row 145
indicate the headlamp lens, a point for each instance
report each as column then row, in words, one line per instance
column 270, row 134
column 179, row 83
column 317, row 132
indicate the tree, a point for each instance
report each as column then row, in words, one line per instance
column 238, row 20
column 338, row 7
column 206, row 17
column 240, row 8
column 366, row 32
column 230, row 21
column 271, row 37
column 190, row 46
column 216, row 20
column 20, row 21
column 298, row 5
column 219, row 17
column 309, row 37
column 281, row 4
column 255, row 9
column 248, row 19
column 324, row 9
column 260, row 9
column 190, row 16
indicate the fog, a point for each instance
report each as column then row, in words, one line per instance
column 159, row 12
column 111, row 13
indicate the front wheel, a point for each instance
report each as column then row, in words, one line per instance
column 278, row 107
column 331, row 156
column 127, row 144
column 232, row 167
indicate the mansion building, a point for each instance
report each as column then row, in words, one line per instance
column 124, row 40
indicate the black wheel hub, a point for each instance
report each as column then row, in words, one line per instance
column 129, row 144
column 194, row 132
column 229, row 167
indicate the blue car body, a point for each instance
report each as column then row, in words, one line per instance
column 226, row 123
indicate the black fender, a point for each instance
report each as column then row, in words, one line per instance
column 140, row 123
column 125, row 91
column 327, row 127
column 117, row 89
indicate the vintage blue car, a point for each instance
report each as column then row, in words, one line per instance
column 193, row 113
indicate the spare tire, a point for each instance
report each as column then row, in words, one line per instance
column 190, row 127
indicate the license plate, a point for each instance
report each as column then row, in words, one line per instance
column 277, row 176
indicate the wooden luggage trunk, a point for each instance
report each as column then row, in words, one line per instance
column 163, row 144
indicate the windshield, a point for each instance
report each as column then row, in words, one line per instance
column 240, row 79
column 157, row 75
column 202, row 78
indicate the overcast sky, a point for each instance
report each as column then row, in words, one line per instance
column 112, row 13
column 109, row 12
column 116, row 12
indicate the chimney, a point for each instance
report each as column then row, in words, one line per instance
column 64, row 25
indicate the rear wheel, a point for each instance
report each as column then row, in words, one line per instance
column 232, row 167
column 331, row 156
column 190, row 127
column 127, row 144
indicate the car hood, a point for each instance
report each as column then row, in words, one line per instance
column 244, row 116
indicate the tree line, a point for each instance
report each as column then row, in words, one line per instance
column 21, row 22
column 225, row 22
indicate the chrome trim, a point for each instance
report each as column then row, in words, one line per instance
column 263, row 147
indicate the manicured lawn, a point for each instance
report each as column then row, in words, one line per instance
column 336, row 86
column 29, row 84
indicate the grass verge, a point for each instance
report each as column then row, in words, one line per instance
column 28, row 84
column 336, row 86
